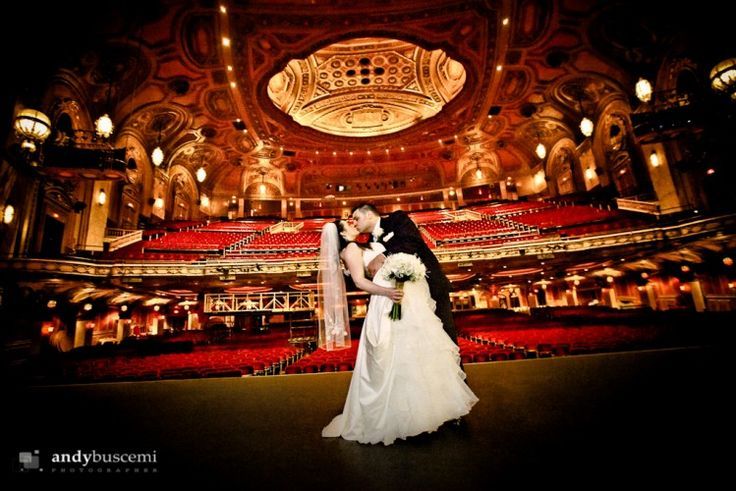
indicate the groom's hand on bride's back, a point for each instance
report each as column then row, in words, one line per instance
column 376, row 264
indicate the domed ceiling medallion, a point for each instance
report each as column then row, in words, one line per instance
column 366, row 87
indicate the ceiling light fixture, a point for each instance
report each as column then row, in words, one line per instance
column 723, row 78
column 541, row 150
column 103, row 125
column 32, row 128
column 157, row 156
column 643, row 90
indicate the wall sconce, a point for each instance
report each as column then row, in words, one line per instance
column 643, row 90
column 589, row 173
column 654, row 159
column 101, row 197
column 159, row 203
column 32, row 127
column 205, row 201
column 539, row 179
column 8, row 214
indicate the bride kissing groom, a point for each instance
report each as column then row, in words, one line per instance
column 407, row 378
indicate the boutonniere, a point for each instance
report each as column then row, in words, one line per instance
column 387, row 237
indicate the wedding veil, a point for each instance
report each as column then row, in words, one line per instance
column 334, row 321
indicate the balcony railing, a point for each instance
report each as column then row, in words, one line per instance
column 669, row 112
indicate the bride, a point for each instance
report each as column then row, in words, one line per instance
column 407, row 378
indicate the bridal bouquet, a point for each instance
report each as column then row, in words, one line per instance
column 402, row 267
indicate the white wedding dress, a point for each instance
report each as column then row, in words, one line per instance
column 407, row 378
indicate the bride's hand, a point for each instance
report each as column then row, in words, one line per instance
column 395, row 295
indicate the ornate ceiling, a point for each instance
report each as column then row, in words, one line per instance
column 301, row 94
column 366, row 87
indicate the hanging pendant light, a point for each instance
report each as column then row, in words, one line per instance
column 262, row 186
column 586, row 126
column 103, row 125
column 723, row 78
column 157, row 156
column 541, row 150
column 201, row 174
column 643, row 90
column 32, row 127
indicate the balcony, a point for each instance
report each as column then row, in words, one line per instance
column 668, row 115
column 81, row 154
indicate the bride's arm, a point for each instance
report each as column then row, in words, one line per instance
column 354, row 261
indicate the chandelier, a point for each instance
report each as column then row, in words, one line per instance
column 103, row 124
column 32, row 127
column 157, row 156
column 723, row 78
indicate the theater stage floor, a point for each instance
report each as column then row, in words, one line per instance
column 652, row 416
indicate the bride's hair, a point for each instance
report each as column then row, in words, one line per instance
column 342, row 241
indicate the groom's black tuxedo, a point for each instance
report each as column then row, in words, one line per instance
column 406, row 238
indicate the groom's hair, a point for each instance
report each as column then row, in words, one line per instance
column 366, row 207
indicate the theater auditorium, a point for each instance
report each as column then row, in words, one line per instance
column 167, row 169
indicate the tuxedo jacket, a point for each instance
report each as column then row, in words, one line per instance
column 400, row 234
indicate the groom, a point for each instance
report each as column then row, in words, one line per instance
column 398, row 233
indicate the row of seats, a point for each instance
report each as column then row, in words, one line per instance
column 503, row 223
column 285, row 240
column 467, row 228
column 506, row 209
column 567, row 340
column 239, row 226
column 205, row 363
column 197, row 240
column 552, row 218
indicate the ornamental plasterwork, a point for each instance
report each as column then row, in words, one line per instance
column 366, row 87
